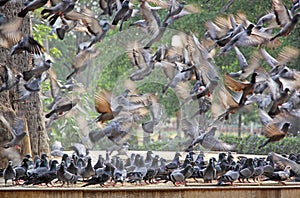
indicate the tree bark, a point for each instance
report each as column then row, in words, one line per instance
column 32, row 110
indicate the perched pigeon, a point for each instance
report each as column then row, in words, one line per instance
column 9, row 173
column 210, row 173
column 88, row 170
column 179, row 176
column 65, row 176
column 230, row 176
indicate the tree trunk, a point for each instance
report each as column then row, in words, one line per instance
column 32, row 110
column 240, row 125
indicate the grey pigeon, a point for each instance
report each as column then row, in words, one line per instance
column 72, row 168
column 37, row 71
column 284, row 19
column 17, row 131
column 246, row 170
column 156, row 116
column 9, row 173
column 208, row 141
column 280, row 176
column 45, row 177
column 210, row 173
column 112, row 131
column 179, row 176
column 56, row 149
column 99, row 163
column 63, row 105
column 258, row 170
column 32, row 5
column 79, row 149
column 23, row 93
column 9, row 80
column 21, row 171
column 35, row 84
column 284, row 162
column 120, row 173
column 152, row 170
column 230, row 176
column 97, row 179
column 175, row 9
column 88, row 170
column 139, row 172
column 65, row 176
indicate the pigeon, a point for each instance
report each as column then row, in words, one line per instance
column 63, row 105
column 9, row 80
column 284, row 162
column 273, row 133
column 17, row 131
column 21, row 171
column 280, row 176
column 56, row 149
column 46, row 177
column 37, row 71
column 174, row 9
column 258, row 170
column 122, row 12
column 103, row 107
column 35, row 84
column 120, row 173
column 139, row 172
column 149, row 157
column 29, row 44
column 156, row 115
column 246, row 170
column 113, row 131
column 87, row 171
column 244, row 87
column 9, row 173
column 210, row 173
column 80, row 150
column 208, row 141
column 65, row 176
column 82, row 60
column 175, row 163
column 31, row 6
column 179, row 176
column 57, row 10
column 230, row 176
column 238, row 37
column 152, row 170
column 100, row 32
column 97, row 179
column 72, row 168
column 284, row 19
column 99, row 163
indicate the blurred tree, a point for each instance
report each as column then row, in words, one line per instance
column 32, row 110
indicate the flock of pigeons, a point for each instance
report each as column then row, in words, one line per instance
column 151, row 170
column 187, row 61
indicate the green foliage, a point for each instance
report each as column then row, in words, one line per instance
column 250, row 143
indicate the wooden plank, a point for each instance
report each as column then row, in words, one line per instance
column 154, row 192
